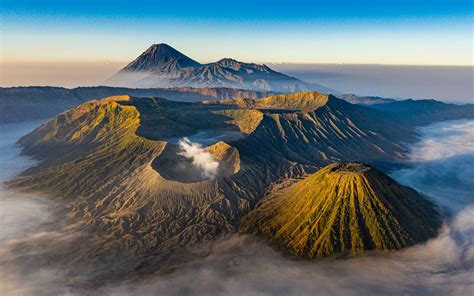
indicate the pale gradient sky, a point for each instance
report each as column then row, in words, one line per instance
column 41, row 40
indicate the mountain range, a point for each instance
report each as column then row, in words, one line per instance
column 125, row 171
column 149, row 179
column 163, row 66
column 149, row 175
column 19, row 104
column 365, row 100
column 41, row 102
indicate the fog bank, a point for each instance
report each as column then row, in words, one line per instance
column 19, row 213
column 446, row 83
column 244, row 266
column 23, row 218
column 65, row 74
column 442, row 164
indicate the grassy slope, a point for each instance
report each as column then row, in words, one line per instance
column 341, row 211
column 103, row 150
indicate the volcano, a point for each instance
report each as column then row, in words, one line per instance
column 117, row 169
column 161, row 57
column 163, row 66
column 343, row 209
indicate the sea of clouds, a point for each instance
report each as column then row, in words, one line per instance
column 441, row 167
column 446, row 83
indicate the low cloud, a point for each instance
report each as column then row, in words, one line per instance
column 443, row 140
column 441, row 164
column 130, row 79
column 242, row 265
column 24, row 220
column 201, row 159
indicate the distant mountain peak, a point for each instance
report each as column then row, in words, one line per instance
column 163, row 46
column 237, row 65
column 159, row 57
column 163, row 66
column 228, row 61
column 224, row 60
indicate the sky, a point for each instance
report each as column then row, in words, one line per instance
column 98, row 37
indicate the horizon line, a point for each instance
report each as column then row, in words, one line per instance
column 81, row 61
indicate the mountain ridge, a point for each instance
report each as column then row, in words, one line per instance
column 40, row 102
column 141, row 214
column 366, row 100
column 161, row 57
column 163, row 66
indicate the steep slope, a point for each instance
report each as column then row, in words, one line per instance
column 161, row 57
column 109, row 164
column 163, row 66
column 343, row 209
column 101, row 173
column 334, row 131
column 221, row 160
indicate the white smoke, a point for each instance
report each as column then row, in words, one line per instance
column 202, row 159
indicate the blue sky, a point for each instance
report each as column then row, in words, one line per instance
column 383, row 32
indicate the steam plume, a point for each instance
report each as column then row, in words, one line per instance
column 201, row 158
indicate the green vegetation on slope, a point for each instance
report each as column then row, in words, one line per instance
column 343, row 209
column 303, row 101
column 102, row 159
column 96, row 140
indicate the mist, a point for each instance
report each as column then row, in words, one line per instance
column 19, row 213
column 23, row 218
column 442, row 164
column 65, row 74
column 201, row 159
column 440, row 167
column 243, row 265
column 445, row 83
column 128, row 79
